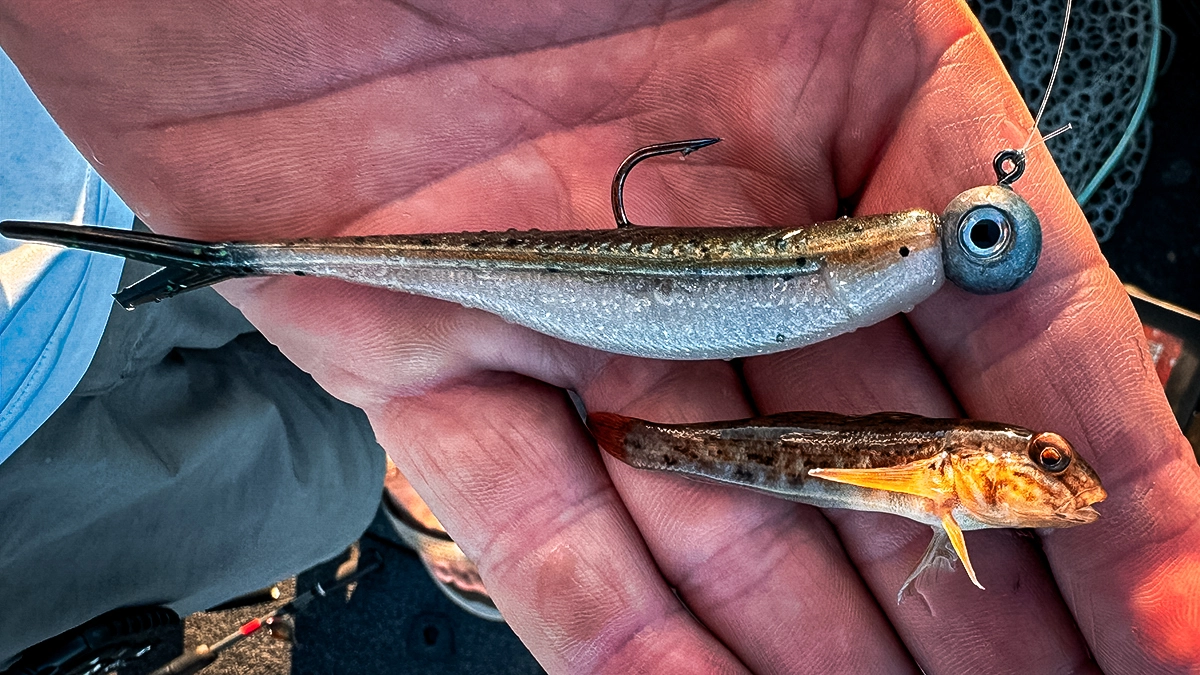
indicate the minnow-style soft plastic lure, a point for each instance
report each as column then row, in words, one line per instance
column 661, row 292
column 951, row 474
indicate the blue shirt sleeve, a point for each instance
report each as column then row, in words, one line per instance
column 54, row 302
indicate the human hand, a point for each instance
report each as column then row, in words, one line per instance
column 267, row 119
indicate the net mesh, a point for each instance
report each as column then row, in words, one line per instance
column 1100, row 83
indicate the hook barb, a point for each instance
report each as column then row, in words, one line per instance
column 618, row 185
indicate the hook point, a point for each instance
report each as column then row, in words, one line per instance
column 684, row 148
column 696, row 144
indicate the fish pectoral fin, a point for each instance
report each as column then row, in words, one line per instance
column 954, row 533
column 939, row 555
column 923, row 478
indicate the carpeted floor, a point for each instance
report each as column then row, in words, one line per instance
column 393, row 621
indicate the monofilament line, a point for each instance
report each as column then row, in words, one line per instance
column 1062, row 45
column 1061, row 130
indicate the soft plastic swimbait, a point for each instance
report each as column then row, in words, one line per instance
column 661, row 292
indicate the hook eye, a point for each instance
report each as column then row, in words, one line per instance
column 985, row 231
column 1009, row 165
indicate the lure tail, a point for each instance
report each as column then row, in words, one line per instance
column 187, row 264
column 169, row 282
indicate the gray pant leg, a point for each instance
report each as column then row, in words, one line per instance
column 178, row 476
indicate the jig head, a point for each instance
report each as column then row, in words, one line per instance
column 991, row 238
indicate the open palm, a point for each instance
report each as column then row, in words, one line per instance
column 271, row 119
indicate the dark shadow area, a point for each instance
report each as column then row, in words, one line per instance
column 167, row 644
column 131, row 640
column 1157, row 245
column 396, row 621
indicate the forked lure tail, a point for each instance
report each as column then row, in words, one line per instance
column 187, row 264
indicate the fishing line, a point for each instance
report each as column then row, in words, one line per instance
column 1061, row 130
column 1129, row 130
column 1138, row 113
column 1062, row 45
column 1009, row 164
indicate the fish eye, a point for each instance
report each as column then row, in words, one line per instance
column 1052, row 460
column 1051, row 453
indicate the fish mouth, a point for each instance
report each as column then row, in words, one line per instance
column 1079, row 509
column 1092, row 495
column 1079, row 516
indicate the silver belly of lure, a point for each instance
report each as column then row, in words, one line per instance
column 659, row 292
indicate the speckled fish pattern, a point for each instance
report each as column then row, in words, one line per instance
column 774, row 454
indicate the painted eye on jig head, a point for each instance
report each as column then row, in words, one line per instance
column 991, row 240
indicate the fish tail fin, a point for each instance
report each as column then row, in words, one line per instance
column 187, row 264
column 610, row 430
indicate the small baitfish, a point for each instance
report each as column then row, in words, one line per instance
column 951, row 474
column 660, row 292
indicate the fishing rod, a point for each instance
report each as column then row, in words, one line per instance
column 205, row 655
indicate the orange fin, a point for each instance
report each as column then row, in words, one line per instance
column 960, row 545
column 924, row 478
column 609, row 430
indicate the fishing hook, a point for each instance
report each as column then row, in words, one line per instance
column 618, row 185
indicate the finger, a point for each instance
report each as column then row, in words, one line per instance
column 1019, row 624
column 186, row 109
column 1064, row 352
column 338, row 140
column 785, row 607
column 767, row 576
column 506, row 466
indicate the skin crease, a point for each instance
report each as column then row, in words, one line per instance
column 269, row 119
